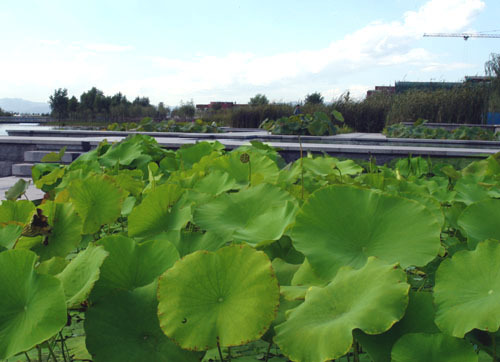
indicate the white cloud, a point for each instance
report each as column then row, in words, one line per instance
column 376, row 47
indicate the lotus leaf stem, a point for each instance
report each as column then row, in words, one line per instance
column 39, row 353
column 51, row 351
column 220, row 352
column 268, row 351
column 27, row 357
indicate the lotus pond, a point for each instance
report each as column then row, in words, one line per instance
column 138, row 253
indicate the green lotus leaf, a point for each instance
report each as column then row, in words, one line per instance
column 32, row 306
column 344, row 225
column 477, row 305
column 79, row 277
column 419, row 318
column 432, row 348
column 191, row 154
column 53, row 266
column 429, row 202
column 348, row 167
column 260, row 166
column 257, row 214
column 215, row 183
column 468, row 190
column 284, row 271
column 372, row 299
column 18, row 189
column 230, row 296
column 123, row 153
column 19, row 211
column 131, row 265
column 306, row 276
column 9, row 235
column 97, row 200
column 123, row 326
column 283, row 249
column 480, row 221
column 188, row 242
column 158, row 212
column 65, row 230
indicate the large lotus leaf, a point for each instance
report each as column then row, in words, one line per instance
column 191, row 154
column 19, row 211
column 430, row 202
column 131, row 265
column 158, row 212
column 123, row 326
column 432, row 348
column 97, row 200
column 253, row 215
column 344, row 225
column 469, row 191
column 215, row 183
column 467, row 290
column 79, row 276
column 230, row 296
column 32, row 306
column 419, row 318
column 261, row 167
column 65, row 230
column 372, row 299
column 123, row 153
column 480, row 221
column 9, row 235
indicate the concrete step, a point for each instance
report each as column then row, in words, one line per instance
column 5, row 168
column 36, row 156
column 22, row 169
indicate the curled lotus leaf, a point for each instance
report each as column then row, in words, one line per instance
column 477, row 305
column 159, row 212
column 432, row 348
column 480, row 221
column 65, row 230
column 19, row 211
column 79, row 276
column 32, row 305
column 97, row 200
column 344, row 225
column 123, row 326
column 372, row 299
column 228, row 297
column 257, row 214
column 131, row 265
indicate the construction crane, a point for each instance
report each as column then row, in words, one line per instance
column 466, row 36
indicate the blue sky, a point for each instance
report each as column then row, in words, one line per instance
column 230, row 50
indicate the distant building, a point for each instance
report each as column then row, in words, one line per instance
column 401, row 87
column 381, row 89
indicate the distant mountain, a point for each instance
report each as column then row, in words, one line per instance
column 18, row 105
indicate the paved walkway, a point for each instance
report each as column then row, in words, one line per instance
column 7, row 182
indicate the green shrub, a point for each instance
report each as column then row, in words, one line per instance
column 466, row 104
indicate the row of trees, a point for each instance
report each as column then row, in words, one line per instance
column 93, row 105
column 261, row 100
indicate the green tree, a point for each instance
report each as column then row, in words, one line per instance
column 162, row 111
column 258, row 100
column 59, row 104
column 73, row 107
column 186, row 110
column 314, row 98
column 492, row 69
